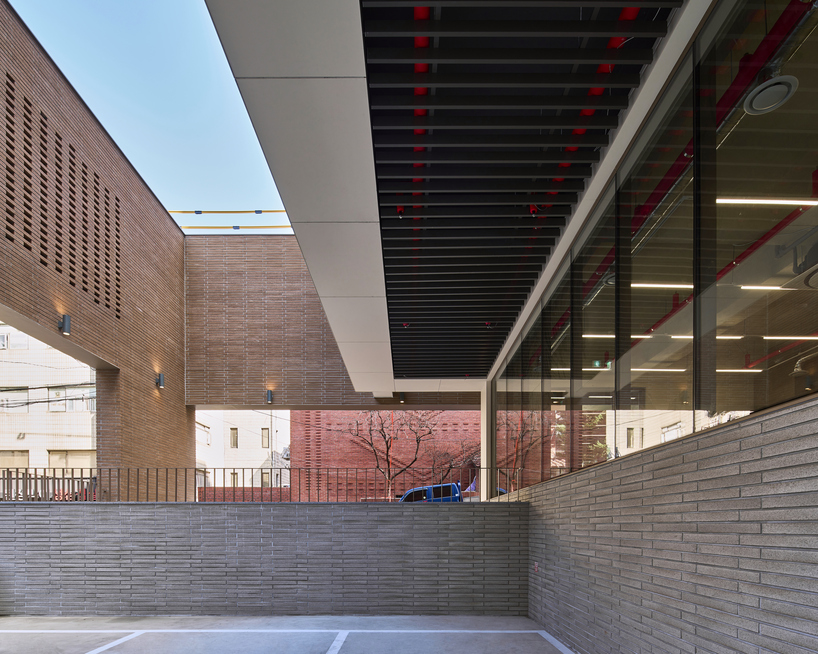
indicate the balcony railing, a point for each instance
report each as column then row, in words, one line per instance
column 241, row 484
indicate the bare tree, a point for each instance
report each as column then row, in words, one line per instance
column 524, row 431
column 379, row 431
column 445, row 457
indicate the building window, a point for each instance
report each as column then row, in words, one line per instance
column 234, row 437
column 234, row 479
column 56, row 399
column 202, row 434
column 265, row 479
column 4, row 341
column 671, row 432
column 629, row 443
column 79, row 459
column 14, row 400
column 13, row 459
column 18, row 341
column 265, row 437
column 278, row 481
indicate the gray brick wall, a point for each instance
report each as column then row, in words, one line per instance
column 708, row 544
column 262, row 559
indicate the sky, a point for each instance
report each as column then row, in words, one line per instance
column 154, row 74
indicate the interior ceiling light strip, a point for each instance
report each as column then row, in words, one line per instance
column 787, row 22
column 766, row 288
column 796, row 203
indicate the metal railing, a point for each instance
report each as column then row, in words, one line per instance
column 240, row 484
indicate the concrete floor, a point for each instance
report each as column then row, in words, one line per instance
column 279, row 635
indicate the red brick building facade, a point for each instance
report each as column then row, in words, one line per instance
column 342, row 468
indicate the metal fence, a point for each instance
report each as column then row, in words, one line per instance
column 240, row 484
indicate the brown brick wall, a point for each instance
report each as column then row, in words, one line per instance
column 255, row 322
column 81, row 234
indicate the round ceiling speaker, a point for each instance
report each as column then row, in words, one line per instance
column 770, row 95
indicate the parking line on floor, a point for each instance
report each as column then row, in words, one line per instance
column 562, row 648
column 116, row 642
column 338, row 642
column 271, row 631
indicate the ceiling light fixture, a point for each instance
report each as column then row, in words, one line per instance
column 768, row 202
column 790, row 338
column 560, row 370
column 770, row 94
column 598, row 336
column 765, row 288
column 737, row 370
column 729, row 338
column 65, row 325
column 658, row 370
column 661, row 285
column 680, row 336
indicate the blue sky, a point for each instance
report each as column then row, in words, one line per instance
column 155, row 75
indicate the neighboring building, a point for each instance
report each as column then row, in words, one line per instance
column 242, row 449
column 47, row 406
column 327, row 458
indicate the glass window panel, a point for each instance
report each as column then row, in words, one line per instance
column 533, row 457
column 556, row 339
column 763, row 176
column 655, row 270
column 594, row 381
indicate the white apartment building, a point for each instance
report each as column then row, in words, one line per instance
column 47, row 406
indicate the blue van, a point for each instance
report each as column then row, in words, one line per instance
column 437, row 493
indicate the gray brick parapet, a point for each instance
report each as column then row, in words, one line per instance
column 262, row 559
column 706, row 544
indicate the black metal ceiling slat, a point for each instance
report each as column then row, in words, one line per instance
column 515, row 28
column 503, row 81
column 519, row 56
column 578, row 171
column 476, row 199
column 495, row 186
column 529, row 222
column 495, row 237
column 392, row 101
column 456, row 140
column 476, row 212
column 501, row 266
column 509, row 157
column 494, row 122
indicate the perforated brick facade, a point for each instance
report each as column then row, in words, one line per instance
column 81, row 234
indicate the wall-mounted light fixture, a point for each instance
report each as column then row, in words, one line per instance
column 269, row 397
column 65, row 325
column 160, row 380
column 402, row 398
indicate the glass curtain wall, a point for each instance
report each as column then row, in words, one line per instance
column 691, row 297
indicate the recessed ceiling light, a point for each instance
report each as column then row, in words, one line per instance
column 765, row 288
column 729, row 338
column 679, row 336
column 600, row 397
column 770, row 95
column 598, row 336
column 658, row 369
column 738, row 370
column 560, row 370
column 661, row 285
column 768, row 201
column 790, row 338
column 596, row 369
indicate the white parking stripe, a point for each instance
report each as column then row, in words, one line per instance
column 272, row 631
column 562, row 648
column 338, row 642
column 116, row 642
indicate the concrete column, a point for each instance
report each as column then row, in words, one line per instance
column 488, row 460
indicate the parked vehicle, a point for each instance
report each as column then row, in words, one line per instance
column 437, row 493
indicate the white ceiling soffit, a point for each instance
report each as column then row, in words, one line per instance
column 299, row 65
column 672, row 48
